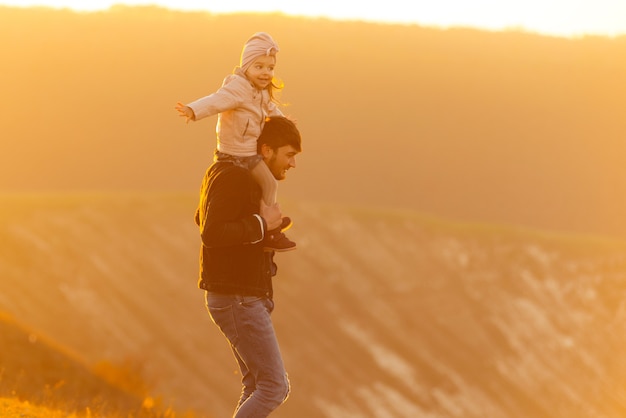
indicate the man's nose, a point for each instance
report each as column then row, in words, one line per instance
column 292, row 162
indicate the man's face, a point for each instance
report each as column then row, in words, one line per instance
column 261, row 71
column 280, row 160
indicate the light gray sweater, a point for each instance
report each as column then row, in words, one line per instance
column 241, row 110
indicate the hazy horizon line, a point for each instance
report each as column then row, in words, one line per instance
column 453, row 26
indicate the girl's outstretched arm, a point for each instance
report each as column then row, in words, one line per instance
column 185, row 111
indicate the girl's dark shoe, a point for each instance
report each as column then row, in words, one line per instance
column 286, row 224
column 277, row 241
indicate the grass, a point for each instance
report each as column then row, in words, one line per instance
column 12, row 407
column 569, row 241
column 41, row 379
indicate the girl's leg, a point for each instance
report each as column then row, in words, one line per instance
column 266, row 180
column 274, row 240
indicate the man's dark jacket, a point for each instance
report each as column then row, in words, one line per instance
column 232, row 260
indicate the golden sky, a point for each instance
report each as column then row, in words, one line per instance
column 553, row 17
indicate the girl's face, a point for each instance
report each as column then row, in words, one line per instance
column 261, row 71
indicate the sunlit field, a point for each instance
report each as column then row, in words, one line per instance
column 458, row 208
column 400, row 312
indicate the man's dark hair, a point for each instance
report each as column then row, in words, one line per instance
column 279, row 131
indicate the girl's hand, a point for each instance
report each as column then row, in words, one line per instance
column 185, row 112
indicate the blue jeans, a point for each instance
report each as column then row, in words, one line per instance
column 245, row 322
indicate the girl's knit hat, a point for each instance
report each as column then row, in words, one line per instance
column 260, row 44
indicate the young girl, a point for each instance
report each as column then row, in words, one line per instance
column 242, row 104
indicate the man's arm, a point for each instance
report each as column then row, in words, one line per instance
column 224, row 213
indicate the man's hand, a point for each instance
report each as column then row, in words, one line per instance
column 185, row 112
column 272, row 215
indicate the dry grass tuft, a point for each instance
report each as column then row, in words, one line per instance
column 41, row 379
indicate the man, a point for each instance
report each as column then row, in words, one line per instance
column 237, row 273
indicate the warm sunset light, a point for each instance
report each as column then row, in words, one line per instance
column 554, row 17
column 458, row 208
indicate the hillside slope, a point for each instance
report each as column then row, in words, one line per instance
column 379, row 313
column 40, row 371
column 502, row 127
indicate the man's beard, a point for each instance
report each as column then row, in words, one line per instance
column 273, row 169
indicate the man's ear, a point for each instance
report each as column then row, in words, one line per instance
column 266, row 151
